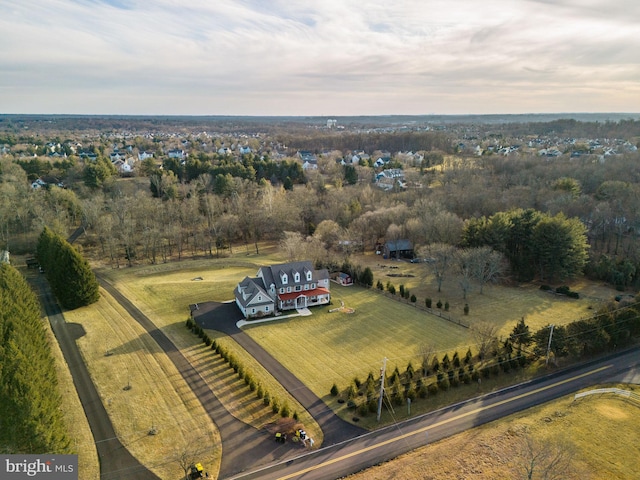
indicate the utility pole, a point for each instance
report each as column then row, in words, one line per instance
column 549, row 345
column 382, row 375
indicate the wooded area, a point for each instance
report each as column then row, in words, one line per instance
column 553, row 218
column 30, row 416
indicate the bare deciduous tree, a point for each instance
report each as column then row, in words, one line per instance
column 487, row 265
column 426, row 352
column 441, row 258
column 485, row 337
column 544, row 460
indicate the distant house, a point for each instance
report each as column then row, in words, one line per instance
column 46, row 181
column 398, row 249
column 310, row 164
column 309, row 160
column 177, row 153
column 145, row 155
column 285, row 286
column 244, row 150
column 344, row 279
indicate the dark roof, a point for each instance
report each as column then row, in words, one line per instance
column 398, row 245
column 252, row 287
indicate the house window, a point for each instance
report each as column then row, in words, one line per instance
column 284, row 278
column 282, row 290
column 253, row 310
column 306, row 286
column 313, row 285
column 298, row 288
column 288, row 289
column 259, row 298
column 308, row 276
column 296, row 277
column 266, row 309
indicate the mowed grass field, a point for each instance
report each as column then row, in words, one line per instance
column 602, row 434
column 164, row 293
column 141, row 390
column 500, row 305
column 329, row 348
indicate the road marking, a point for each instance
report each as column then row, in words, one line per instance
column 440, row 423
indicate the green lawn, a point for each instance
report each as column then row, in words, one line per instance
column 336, row 347
column 329, row 348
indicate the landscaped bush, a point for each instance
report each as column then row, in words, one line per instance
column 334, row 390
column 427, row 302
column 402, row 290
column 379, row 285
column 446, row 306
column 563, row 290
column 351, row 392
column 444, row 384
column 285, row 411
column 189, row 323
column 439, row 304
column 545, row 288
column 266, row 399
column 259, row 391
column 275, row 406
column 466, row 309
column 414, row 299
column 432, row 388
column 363, row 410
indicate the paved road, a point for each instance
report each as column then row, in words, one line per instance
column 115, row 460
column 385, row 444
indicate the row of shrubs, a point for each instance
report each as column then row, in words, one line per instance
column 277, row 406
column 562, row 290
column 427, row 381
column 405, row 293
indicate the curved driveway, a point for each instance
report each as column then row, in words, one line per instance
column 115, row 460
column 243, row 446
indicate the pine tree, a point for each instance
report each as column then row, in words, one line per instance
column 30, row 416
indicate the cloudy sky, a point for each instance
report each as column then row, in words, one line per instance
column 319, row 57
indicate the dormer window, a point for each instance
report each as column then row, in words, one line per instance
column 284, row 278
column 296, row 277
column 309, row 275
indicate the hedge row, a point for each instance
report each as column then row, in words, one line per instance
column 277, row 406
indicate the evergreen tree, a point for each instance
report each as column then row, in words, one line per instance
column 69, row 274
column 30, row 416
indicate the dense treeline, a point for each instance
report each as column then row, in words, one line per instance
column 69, row 274
column 248, row 167
column 370, row 142
column 212, row 202
column 553, row 247
column 30, row 415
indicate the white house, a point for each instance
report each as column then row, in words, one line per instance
column 145, row 155
column 285, row 286
column 177, row 153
